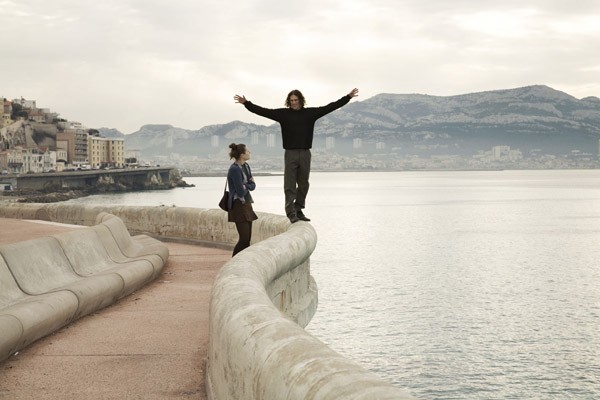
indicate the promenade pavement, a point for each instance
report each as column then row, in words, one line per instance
column 151, row 344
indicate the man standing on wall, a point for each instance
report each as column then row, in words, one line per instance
column 297, row 130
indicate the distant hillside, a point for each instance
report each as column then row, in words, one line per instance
column 532, row 117
column 111, row 133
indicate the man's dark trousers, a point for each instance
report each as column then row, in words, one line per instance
column 295, row 179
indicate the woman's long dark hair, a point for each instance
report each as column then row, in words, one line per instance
column 236, row 150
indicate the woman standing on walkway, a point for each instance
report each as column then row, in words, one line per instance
column 241, row 182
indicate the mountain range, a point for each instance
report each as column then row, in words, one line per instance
column 528, row 118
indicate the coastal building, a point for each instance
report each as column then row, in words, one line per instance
column 6, row 113
column 28, row 104
column 75, row 141
column 505, row 153
column 22, row 160
column 61, row 159
column 11, row 160
column 329, row 142
column 49, row 115
column 39, row 160
column 37, row 115
column 66, row 144
column 105, row 151
column 44, row 142
column 500, row 152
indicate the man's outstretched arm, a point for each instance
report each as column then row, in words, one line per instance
column 263, row 112
column 324, row 110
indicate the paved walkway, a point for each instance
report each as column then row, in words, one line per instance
column 151, row 344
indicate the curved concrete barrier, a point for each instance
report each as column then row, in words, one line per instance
column 207, row 226
column 256, row 348
column 261, row 300
column 48, row 282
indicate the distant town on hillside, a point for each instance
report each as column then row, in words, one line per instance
column 37, row 140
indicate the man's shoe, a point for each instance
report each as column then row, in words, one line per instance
column 301, row 216
column 293, row 217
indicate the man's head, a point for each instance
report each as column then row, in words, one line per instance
column 295, row 100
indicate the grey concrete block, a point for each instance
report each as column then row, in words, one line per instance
column 25, row 318
column 136, row 246
column 40, row 266
column 113, row 249
column 43, row 314
column 88, row 257
column 10, row 335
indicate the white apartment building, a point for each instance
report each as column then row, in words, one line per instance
column 255, row 138
column 329, row 142
column 503, row 153
column 27, row 160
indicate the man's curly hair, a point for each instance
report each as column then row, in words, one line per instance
column 298, row 94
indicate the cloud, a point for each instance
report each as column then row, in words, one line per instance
column 124, row 63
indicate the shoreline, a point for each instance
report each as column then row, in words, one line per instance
column 17, row 196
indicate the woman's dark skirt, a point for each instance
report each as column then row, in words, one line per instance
column 241, row 212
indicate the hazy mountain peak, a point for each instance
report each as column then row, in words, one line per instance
column 530, row 117
column 591, row 99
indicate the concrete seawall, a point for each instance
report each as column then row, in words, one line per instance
column 261, row 300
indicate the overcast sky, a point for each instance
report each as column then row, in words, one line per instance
column 125, row 63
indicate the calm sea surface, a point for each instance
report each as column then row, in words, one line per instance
column 452, row 285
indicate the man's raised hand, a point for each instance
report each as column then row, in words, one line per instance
column 239, row 99
column 353, row 92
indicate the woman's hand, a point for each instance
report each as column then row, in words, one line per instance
column 239, row 99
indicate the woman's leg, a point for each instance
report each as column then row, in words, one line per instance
column 245, row 231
